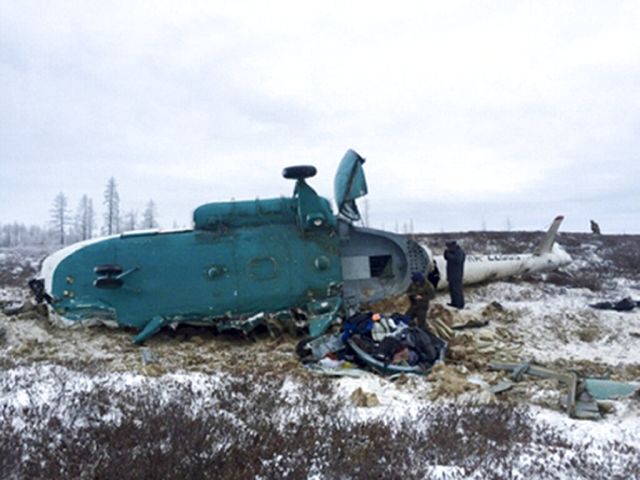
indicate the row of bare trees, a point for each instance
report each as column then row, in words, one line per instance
column 83, row 224
column 15, row 234
column 69, row 227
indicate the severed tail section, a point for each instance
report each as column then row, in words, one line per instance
column 547, row 242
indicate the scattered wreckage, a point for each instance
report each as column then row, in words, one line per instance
column 583, row 394
column 287, row 263
column 384, row 344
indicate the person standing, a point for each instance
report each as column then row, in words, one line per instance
column 455, row 256
column 434, row 275
column 420, row 293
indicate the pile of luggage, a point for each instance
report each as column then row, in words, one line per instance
column 386, row 344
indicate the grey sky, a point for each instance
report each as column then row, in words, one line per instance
column 468, row 113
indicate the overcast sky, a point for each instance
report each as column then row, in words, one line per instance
column 470, row 114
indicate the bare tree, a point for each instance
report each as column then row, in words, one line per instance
column 112, row 204
column 91, row 218
column 85, row 218
column 149, row 216
column 59, row 216
column 130, row 221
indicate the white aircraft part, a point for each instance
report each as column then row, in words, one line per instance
column 482, row 268
column 52, row 261
column 547, row 242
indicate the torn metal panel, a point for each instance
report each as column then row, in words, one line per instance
column 322, row 314
column 580, row 403
column 321, row 346
column 501, row 387
column 603, row 389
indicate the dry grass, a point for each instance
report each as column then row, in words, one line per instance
column 104, row 433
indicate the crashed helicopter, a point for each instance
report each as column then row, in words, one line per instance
column 288, row 257
column 290, row 261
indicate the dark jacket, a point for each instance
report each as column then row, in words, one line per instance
column 425, row 291
column 455, row 256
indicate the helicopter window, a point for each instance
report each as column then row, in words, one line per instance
column 381, row 266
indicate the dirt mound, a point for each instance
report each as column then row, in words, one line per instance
column 399, row 304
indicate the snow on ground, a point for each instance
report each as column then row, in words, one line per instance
column 38, row 396
column 623, row 427
column 557, row 323
column 546, row 320
column 395, row 401
column 11, row 295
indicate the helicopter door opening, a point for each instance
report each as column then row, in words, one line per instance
column 365, row 267
column 381, row 266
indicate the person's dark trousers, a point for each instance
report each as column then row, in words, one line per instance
column 456, row 294
column 418, row 314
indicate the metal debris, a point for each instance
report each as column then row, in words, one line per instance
column 147, row 356
column 501, row 387
column 603, row 389
column 580, row 402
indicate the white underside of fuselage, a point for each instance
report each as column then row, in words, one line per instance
column 47, row 272
column 52, row 261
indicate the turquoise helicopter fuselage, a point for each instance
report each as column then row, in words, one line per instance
column 192, row 273
column 240, row 259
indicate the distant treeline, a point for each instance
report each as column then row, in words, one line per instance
column 66, row 226
column 18, row 234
